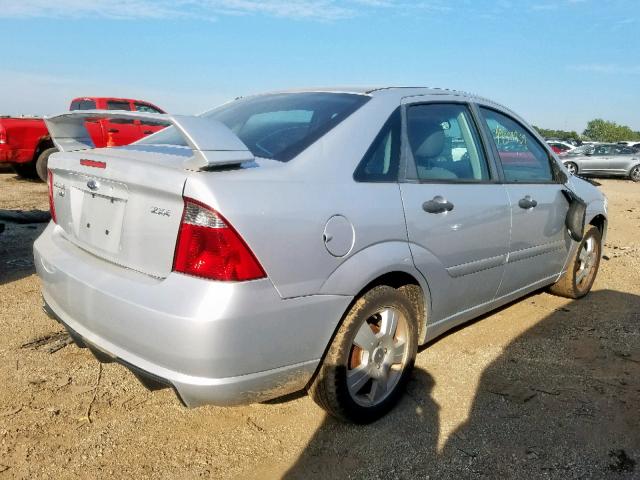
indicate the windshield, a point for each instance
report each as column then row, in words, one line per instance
column 277, row 126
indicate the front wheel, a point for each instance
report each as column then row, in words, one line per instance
column 634, row 174
column 370, row 359
column 571, row 167
column 581, row 272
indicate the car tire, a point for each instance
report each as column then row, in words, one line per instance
column 25, row 170
column 370, row 359
column 572, row 168
column 42, row 163
column 581, row 272
column 634, row 174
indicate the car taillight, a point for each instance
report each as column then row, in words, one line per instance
column 52, row 206
column 209, row 247
column 3, row 135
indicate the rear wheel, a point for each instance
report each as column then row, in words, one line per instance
column 370, row 359
column 634, row 174
column 571, row 167
column 25, row 170
column 583, row 267
column 42, row 163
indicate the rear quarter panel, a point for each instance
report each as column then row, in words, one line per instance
column 281, row 209
column 23, row 136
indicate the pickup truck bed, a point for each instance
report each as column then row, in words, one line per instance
column 25, row 143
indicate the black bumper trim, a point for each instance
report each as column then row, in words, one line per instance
column 149, row 380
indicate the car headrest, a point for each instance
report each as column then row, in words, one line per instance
column 429, row 138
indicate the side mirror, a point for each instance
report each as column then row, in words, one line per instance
column 575, row 216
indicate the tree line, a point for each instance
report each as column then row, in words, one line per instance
column 598, row 130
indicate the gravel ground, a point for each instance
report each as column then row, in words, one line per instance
column 544, row 388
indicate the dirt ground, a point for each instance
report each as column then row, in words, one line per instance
column 543, row 388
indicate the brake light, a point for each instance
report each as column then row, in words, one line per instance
column 93, row 163
column 52, row 207
column 3, row 135
column 209, row 247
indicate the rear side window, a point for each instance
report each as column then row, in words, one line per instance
column 445, row 144
column 118, row 105
column 83, row 105
column 381, row 162
column 523, row 158
column 278, row 126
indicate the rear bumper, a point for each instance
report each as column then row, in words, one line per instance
column 213, row 342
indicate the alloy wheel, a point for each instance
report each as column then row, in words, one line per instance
column 587, row 259
column 378, row 356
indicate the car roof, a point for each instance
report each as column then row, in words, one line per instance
column 374, row 91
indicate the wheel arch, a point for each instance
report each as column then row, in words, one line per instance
column 567, row 162
column 416, row 289
column 43, row 144
column 387, row 263
column 600, row 222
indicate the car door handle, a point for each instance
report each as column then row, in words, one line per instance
column 113, row 130
column 437, row 205
column 147, row 132
column 527, row 202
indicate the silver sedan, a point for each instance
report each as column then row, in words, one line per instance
column 306, row 239
column 603, row 160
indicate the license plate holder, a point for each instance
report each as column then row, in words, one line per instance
column 101, row 221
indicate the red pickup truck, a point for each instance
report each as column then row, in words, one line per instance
column 26, row 145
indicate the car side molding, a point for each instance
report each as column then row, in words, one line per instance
column 212, row 142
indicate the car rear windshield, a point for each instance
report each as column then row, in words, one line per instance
column 83, row 105
column 277, row 126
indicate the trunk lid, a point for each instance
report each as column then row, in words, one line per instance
column 122, row 204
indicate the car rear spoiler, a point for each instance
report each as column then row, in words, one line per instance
column 212, row 142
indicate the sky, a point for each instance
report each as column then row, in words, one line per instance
column 558, row 63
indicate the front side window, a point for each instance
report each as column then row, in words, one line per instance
column 622, row 150
column 118, row 105
column 445, row 143
column 523, row 158
column 381, row 162
column 277, row 126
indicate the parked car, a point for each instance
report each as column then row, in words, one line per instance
column 26, row 144
column 560, row 147
column 306, row 240
column 604, row 159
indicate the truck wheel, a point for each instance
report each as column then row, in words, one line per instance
column 370, row 359
column 25, row 170
column 581, row 271
column 42, row 162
